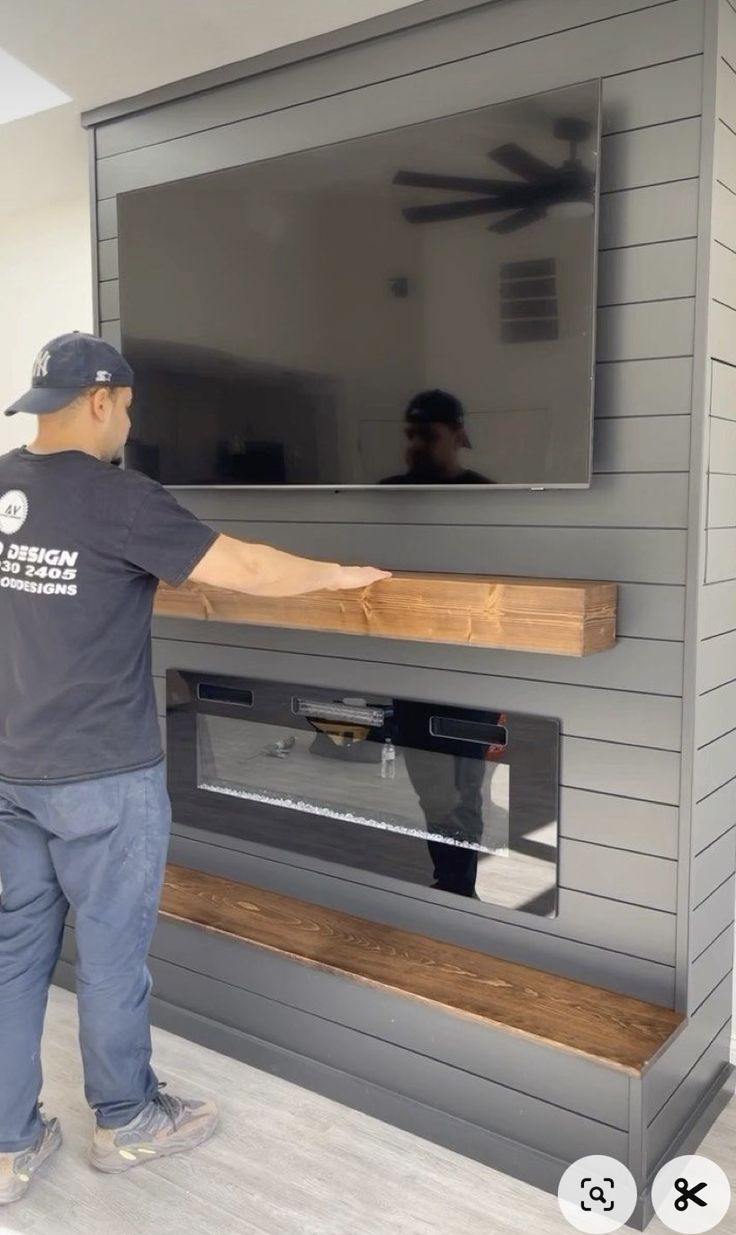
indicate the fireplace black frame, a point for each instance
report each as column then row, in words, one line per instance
column 271, row 832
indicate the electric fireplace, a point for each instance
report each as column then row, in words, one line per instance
column 460, row 801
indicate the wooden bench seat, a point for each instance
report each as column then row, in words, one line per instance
column 617, row 1031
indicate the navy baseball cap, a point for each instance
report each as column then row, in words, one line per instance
column 437, row 407
column 68, row 365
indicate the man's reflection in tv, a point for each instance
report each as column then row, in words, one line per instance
column 450, row 791
column 435, row 435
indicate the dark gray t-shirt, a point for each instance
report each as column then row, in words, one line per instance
column 82, row 546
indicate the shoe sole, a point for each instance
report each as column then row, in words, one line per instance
column 111, row 1162
column 50, row 1146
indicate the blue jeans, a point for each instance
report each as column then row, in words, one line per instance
column 100, row 847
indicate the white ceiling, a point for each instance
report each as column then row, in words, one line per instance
column 99, row 51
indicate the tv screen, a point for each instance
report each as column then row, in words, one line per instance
column 415, row 307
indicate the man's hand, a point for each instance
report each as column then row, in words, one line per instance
column 347, row 578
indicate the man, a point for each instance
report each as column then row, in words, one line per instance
column 435, row 435
column 84, row 813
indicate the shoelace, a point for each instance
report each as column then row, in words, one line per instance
column 169, row 1104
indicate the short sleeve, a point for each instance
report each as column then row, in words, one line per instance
column 166, row 540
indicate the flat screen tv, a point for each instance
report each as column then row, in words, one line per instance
column 415, row 307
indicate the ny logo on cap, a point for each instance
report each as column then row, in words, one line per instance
column 41, row 364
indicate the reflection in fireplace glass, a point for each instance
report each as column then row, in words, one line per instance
column 459, row 800
column 466, row 799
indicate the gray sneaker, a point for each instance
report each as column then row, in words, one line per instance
column 168, row 1125
column 17, row 1170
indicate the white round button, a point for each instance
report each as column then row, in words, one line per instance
column 691, row 1194
column 597, row 1194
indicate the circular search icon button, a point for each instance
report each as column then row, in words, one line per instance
column 597, row 1194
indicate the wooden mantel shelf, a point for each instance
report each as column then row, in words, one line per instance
column 563, row 617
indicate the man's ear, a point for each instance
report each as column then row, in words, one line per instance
column 100, row 402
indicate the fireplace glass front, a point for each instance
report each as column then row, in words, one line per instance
column 460, row 801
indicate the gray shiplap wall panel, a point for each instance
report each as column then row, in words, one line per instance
column 624, row 823
column 714, row 815
column 640, row 499
column 649, row 216
column 724, row 218
column 618, row 874
column 718, row 653
column 645, row 331
column 723, row 277
column 650, row 96
column 643, row 387
column 107, row 214
column 449, row 87
column 629, row 771
column 651, row 155
column 715, row 764
column 107, row 256
column 716, row 713
column 643, row 443
column 663, row 1078
column 717, row 616
column 711, row 967
column 721, row 500
column 709, row 865
column 725, row 156
column 636, row 665
column 650, row 612
column 648, row 272
column 111, row 332
column 712, row 916
column 109, row 300
column 722, row 332
column 727, row 87
column 620, row 554
column 686, row 1097
column 721, row 560
column 723, row 391
column 723, row 442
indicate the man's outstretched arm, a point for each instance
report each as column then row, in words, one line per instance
column 260, row 570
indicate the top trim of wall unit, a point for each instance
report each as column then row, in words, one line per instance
column 420, row 13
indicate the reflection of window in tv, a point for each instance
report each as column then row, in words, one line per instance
column 528, row 292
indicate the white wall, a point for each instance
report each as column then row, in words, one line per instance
column 45, row 290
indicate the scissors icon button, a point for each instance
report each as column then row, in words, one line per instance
column 691, row 1194
column 688, row 1194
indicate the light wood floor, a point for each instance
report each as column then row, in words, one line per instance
column 285, row 1162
